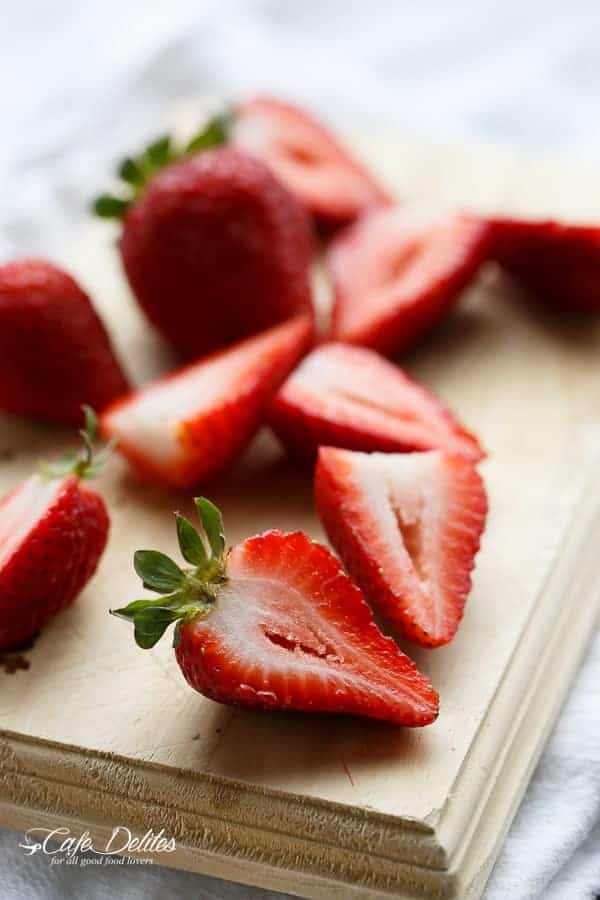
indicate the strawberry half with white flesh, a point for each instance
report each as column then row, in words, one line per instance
column 396, row 272
column 274, row 624
column 53, row 530
column 407, row 527
column 351, row 397
column 187, row 427
column 332, row 186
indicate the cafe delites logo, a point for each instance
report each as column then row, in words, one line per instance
column 63, row 847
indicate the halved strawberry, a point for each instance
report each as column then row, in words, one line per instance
column 53, row 530
column 396, row 272
column 329, row 183
column 407, row 527
column 558, row 263
column 351, row 397
column 188, row 426
column 275, row 624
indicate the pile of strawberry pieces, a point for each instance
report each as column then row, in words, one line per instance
column 217, row 239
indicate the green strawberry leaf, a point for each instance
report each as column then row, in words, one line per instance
column 60, row 467
column 158, row 571
column 212, row 135
column 109, row 207
column 212, row 523
column 158, row 153
column 90, row 433
column 190, row 543
column 86, row 463
column 130, row 611
column 131, row 172
column 151, row 623
column 151, row 618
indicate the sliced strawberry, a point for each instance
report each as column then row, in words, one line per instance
column 306, row 157
column 395, row 273
column 407, row 528
column 188, row 426
column 351, row 397
column 275, row 624
column 53, row 530
column 559, row 264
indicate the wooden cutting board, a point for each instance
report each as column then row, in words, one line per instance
column 96, row 733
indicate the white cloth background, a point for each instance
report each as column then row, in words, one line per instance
column 83, row 82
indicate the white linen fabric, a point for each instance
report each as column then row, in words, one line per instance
column 82, row 83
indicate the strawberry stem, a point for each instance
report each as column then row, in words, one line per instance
column 186, row 593
column 85, row 463
column 135, row 172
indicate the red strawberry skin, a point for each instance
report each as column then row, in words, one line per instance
column 187, row 427
column 55, row 354
column 332, row 186
column 410, row 545
column 559, row 264
column 47, row 554
column 216, row 249
column 291, row 631
column 345, row 396
column 395, row 273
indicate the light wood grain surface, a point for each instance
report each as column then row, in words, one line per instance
column 99, row 732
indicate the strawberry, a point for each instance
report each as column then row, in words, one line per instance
column 559, row 264
column 53, row 530
column 186, row 427
column 214, row 247
column 351, row 397
column 274, row 624
column 395, row 273
column 55, row 354
column 330, row 184
column 407, row 527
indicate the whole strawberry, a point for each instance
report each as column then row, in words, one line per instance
column 55, row 354
column 274, row 624
column 53, row 531
column 214, row 246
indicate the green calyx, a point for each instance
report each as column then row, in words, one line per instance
column 186, row 593
column 135, row 172
column 85, row 463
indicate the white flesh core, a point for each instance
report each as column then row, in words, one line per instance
column 302, row 157
column 256, row 614
column 401, row 254
column 372, row 394
column 20, row 514
column 152, row 420
column 407, row 494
